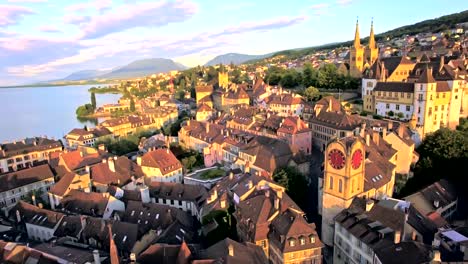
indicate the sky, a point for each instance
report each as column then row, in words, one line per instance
column 49, row 39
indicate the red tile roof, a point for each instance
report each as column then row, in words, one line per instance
column 124, row 169
column 24, row 177
column 77, row 159
column 163, row 159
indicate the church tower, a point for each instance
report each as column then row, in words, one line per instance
column 371, row 52
column 356, row 59
column 223, row 79
column 343, row 180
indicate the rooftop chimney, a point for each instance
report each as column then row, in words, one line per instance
column 111, row 164
column 369, row 205
column 223, row 203
column 132, row 257
column 139, row 160
column 390, row 126
column 250, row 184
column 400, row 130
column 376, row 137
column 436, row 256
column 231, row 250
column 367, row 139
column 231, row 175
column 397, row 237
column 207, row 128
column 436, row 203
column 277, row 202
column 363, row 128
column 384, row 133
column 87, row 168
column 97, row 258
column 214, row 195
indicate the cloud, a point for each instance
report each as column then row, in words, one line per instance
column 99, row 5
column 10, row 14
column 49, row 29
column 145, row 14
column 319, row 6
column 27, row 1
column 276, row 23
column 343, row 2
column 76, row 19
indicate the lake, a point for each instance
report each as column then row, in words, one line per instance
column 50, row 111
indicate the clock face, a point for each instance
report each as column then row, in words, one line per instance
column 356, row 159
column 336, row 159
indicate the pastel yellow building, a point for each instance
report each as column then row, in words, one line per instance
column 223, row 80
column 203, row 92
column 352, row 168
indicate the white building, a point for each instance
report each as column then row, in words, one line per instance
column 186, row 197
column 40, row 223
column 15, row 186
column 161, row 165
column 24, row 153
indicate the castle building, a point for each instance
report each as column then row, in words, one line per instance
column 362, row 57
column 430, row 94
column 354, row 167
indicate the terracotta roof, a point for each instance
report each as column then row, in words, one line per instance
column 442, row 86
column 269, row 153
column 62, row 185
column 24, row 177
column 338, row 120
column 122, row 171
column 28, row 145
column 403, row 87
column 236, row 93
column 204, row 108
column 204, row 88
column 284, row 99
column 163, row 159
column 290, row 225
column 90, row 203
column 76, row 159
column 293, row 125
column 36, row 216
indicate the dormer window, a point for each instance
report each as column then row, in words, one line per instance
column 302, row 241
column 312, row 239
column 292, row 242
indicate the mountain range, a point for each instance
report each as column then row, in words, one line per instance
column 235, row 58
column 139, row 68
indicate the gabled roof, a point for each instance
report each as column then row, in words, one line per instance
column 124, row 170
column 426, row 76
column 90, row 203
column 37, row 216
column 62, row 185
column 241, row 252
column 24, row 177
column 27, row 145
column 163, row 159
column 77, row 159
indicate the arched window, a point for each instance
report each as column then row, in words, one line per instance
column 340, row 185
column 312, row 239
column 330, row 183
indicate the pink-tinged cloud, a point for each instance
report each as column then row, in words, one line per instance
column 11, row 14
column 146, row 14
column 49, row 29
column 262, row 26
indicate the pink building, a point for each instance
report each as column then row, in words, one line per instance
column 297, row 133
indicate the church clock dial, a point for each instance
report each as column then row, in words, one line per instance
column 336, row 158
column 356, row 159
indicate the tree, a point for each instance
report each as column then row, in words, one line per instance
column 84, row 110
column 443, row 154
column 327, row 76
column 93, row 100
column 132, row 105
column 309, row 75
column 312, row 93
column 294, row 183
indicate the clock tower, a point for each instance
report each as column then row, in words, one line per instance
column 343, row 180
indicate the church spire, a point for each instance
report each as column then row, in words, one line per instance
column 357, row 39
column 371, row 36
